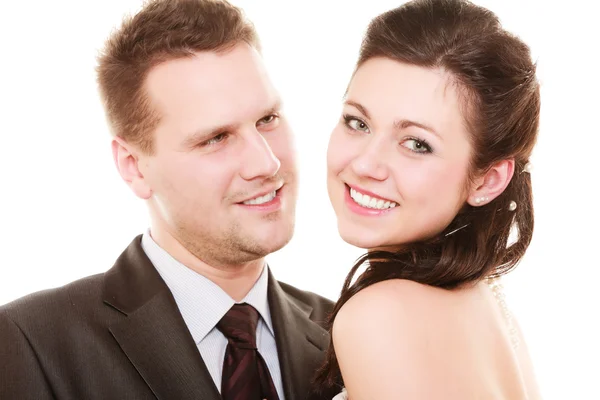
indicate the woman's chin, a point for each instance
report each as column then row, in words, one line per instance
column 360, row 239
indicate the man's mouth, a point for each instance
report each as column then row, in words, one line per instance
column 261, row 199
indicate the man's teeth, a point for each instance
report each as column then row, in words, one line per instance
column 261, row 200
column 370, row 202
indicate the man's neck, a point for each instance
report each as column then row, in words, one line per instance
column 235, row 280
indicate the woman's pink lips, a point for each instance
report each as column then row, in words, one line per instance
column 358, row 209
column 370, row 194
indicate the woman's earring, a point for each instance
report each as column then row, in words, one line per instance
column 479, row 200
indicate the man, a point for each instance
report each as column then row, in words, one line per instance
column 189, row 310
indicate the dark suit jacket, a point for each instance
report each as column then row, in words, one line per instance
column 119, row 335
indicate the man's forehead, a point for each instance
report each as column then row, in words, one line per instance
column 183, row 87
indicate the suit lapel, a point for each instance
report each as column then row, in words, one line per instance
column 301, row 343
column 153, row 335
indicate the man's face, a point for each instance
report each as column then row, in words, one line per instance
column 223, row 174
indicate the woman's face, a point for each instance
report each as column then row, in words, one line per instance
column 398, row 159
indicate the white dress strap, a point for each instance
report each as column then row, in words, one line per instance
column 495, row 285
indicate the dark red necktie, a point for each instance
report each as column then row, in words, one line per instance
column 245, row 373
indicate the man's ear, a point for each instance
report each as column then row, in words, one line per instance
column 491, row 184
column 127, row 163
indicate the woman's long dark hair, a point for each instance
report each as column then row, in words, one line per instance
column 495, row 76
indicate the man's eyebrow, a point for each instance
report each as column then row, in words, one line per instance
column 276, row 107
column 207, row 133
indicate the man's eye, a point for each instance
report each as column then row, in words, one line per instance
column 215, row 139
column 268, row 119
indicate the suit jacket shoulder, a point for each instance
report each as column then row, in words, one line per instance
column 49, row 334
column 40, row 305
column 321, row 306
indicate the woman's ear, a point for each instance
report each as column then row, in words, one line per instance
column 491, row 184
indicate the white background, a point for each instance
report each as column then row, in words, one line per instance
column 65, row 214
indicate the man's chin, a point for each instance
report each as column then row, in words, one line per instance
column 256, row 250
column 273, row 241
column 271, row 246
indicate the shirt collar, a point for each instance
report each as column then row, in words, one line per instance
column 202, row 302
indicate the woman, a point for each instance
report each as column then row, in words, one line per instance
column 428, row 169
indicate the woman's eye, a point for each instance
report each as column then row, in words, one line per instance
column 417, row 146
column 356, row 124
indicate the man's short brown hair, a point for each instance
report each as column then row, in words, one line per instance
column 163, row 30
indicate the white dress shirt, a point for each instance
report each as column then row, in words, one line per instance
column 203, row 303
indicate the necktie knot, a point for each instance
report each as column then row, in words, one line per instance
column 239, row 326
